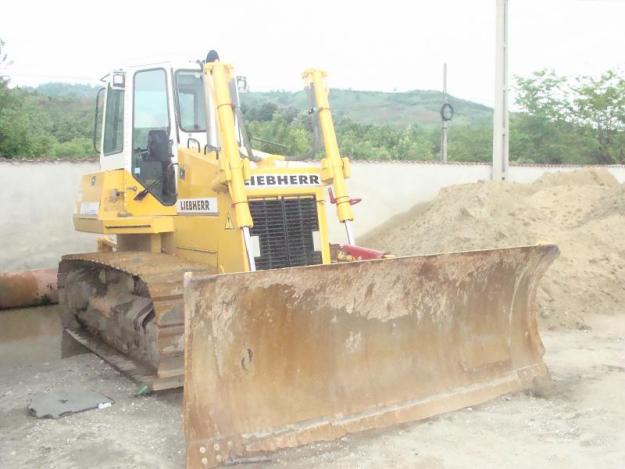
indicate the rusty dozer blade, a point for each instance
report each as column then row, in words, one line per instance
column 285, row 357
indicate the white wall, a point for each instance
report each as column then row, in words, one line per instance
column 37, row 201
column 36, row 208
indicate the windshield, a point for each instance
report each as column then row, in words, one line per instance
column 190, row 93
column 151, row 111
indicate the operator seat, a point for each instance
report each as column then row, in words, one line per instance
column 159, row 149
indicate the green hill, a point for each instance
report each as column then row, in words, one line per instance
column 66, row 90
column 399, row 109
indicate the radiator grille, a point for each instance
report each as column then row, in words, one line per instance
column 285, row 229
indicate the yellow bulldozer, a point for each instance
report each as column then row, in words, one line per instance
column 221, row 278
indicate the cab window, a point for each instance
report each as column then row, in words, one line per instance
column 113, row 122
column 152, row 162
column 150, row 106
column 190, row 92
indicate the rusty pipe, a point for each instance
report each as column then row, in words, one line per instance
column 28, row 288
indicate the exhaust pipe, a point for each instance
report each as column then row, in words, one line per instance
column 28, row 288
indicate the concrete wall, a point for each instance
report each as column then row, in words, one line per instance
column 36, row 207
column 37, row 202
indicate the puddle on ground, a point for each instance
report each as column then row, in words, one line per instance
column 34, row 335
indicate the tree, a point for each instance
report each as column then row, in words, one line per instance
column 544, row 95
column 6, row 103
column 4, row 62
column 599, row 107
column 536, row 132
column 33, row 124
column 470, row 144
column 579, row 121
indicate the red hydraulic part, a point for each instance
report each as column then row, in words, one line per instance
column 333, row 199
column 28, row 288
column 358, row 253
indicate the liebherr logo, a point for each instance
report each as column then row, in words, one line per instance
column 203, row 206
column 259, row 181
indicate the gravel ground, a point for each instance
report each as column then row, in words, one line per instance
column 579, row 421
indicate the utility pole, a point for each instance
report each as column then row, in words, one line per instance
column 447, row 113
column 501, row 119
column 445, row 123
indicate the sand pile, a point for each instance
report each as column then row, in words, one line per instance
column 583, row 212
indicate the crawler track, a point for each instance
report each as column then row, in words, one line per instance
column 127, row 308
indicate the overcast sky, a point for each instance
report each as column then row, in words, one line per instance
column 372, row 45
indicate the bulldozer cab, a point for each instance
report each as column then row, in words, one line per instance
column 143, row 114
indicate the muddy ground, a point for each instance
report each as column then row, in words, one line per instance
column 578, row 422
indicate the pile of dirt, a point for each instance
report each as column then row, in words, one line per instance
column 583, row 212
